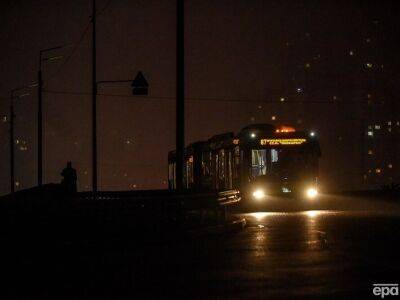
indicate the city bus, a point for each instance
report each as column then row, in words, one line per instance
column 260, row 161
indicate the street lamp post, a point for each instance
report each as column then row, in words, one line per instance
column 94, row 102
column 180, row 93
column 139, row 87
column 12, row 178
column 11, row 139
column 40, row 112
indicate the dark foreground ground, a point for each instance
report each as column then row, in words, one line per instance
column 336, row 247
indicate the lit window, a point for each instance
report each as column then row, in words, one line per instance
column 282, row 99
column 377, row 171
column 370, row 152
column 274, row 155
column 4, row 119
column 368, row 65
column 351, row 53
column 378, row 127
column 398, row 123
column 17, row 183
column 369, row 126
column 258, row 162
column 390, row 166
column 390, row 123
column 370, row 133
column 273, row 118
column 307, row 65
column 390, row 129
column 17, row 142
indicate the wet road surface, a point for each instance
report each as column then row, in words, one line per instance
column 337, row 248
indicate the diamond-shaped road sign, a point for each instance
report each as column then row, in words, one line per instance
column 140, row 85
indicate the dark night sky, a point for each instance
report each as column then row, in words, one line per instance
column 240, row 57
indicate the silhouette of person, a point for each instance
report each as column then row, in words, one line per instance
column 69, row 178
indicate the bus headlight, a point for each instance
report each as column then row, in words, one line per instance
column 311, row 192
column 259, row 194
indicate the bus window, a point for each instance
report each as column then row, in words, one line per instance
column 258, row 162
column 228, row 181
column 274, row 155
column 189, row 172
column 236, row 165
column 171, row 176
column 221, row 168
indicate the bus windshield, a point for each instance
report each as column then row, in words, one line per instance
column 281, row 161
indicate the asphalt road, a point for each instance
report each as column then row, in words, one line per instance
column 334, row 247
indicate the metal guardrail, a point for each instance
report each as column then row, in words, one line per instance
column 120, row 206
column 188, row 199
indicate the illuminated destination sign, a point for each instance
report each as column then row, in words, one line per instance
column 282, row 141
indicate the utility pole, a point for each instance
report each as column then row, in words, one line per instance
column 180, row 94
column 40, row 110
column 94, row 102
column 40, row 125
column 12, row 179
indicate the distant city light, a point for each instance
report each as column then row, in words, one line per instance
column 370, row 152
column 378, row 171
column 370, row 133
column 351, row 53
column 4, row 119
column 282, row 99
column 299, row 90
column 389, row 123
column 312, row 133
column 259, row 106
column 307, row 65
column 377, row 127
column 17, row 183
column 390, row 166
column 273, row 118
column 369, row 65
column 253, row 135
